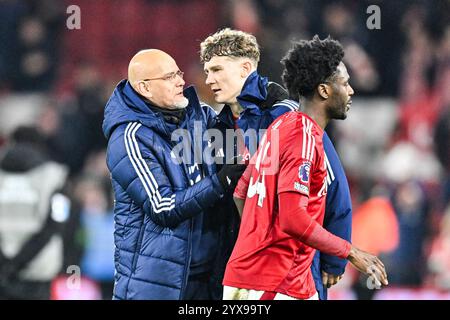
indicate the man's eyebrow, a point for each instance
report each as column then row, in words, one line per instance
column 216, row 66
column 169, row 73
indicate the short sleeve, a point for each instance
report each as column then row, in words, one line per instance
column 296, row 163
column 295, row 176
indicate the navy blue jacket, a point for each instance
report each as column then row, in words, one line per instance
column 338, row 216
column 160, row 214
column 263, row 102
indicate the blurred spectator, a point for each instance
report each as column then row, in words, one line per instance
column 73, row 126
column 425, row 78
column 375, row 226
column 244, row 15
column 439, row 258
column 97, row 223
column 35, row 51
column 279, row 22
column 406, row 264
column 90, row 97
column 33, row 212
column 442, row 128
column 375, row 230
column 404, row 161
column 64, row 133
column 10, row 13
column 442, row 149
column 340, row 21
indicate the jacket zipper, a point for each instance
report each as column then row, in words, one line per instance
column 188, row 261
column 189, row 241
column 138, row 246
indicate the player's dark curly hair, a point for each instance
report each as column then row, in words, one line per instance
column 309, row 63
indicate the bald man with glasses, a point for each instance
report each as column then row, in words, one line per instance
column 166, row 232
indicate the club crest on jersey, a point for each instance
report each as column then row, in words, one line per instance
column 303, row 171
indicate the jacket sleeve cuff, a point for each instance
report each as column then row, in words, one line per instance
column 334, row 269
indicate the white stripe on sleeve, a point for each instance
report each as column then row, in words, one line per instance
column 146, row 177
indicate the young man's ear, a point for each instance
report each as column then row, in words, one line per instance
column 324, row 90
column 247, row 68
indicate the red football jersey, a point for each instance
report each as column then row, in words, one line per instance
column 290, row 158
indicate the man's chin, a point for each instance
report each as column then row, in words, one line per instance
column 217, row 99
column 340, row 116
column 221, row 99
column 182, row 103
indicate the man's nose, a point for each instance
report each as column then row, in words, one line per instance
column 209, row 79
column 351, row 91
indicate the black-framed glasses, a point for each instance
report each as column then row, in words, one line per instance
column 169, row 77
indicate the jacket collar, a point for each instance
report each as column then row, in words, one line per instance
column 126, row 105
column 253, row 93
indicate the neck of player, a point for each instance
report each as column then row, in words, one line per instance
column 316, row 111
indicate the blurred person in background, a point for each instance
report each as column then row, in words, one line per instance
column 441, row 135
column 442, row 151
column 407, row 263
column 166, row 233
column 375, row 230
column 252, row 102
column 439, row 258
column 32, row 38
column 72, row 124
column 34, row 210
column 10, row 14
column 92, row 236
column 97, row 229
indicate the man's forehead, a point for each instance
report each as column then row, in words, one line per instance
column 342, row 71
column 164, row 67
column 216, row 61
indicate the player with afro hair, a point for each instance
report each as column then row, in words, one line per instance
column 313, row 70
column 310, row 63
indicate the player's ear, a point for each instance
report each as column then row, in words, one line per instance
column 324, row 90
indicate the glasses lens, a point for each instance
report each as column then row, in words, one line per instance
column 174, row 75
